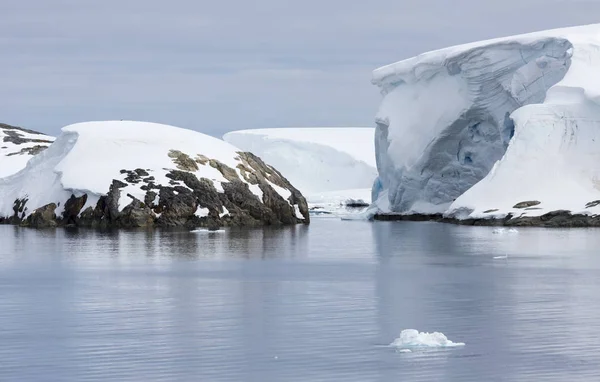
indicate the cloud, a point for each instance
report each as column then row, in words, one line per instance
column 225, row 65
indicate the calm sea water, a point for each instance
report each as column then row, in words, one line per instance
column 316, row 303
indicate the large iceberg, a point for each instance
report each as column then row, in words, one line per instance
column 315, row 159
column 334, row 167
column 492, row 125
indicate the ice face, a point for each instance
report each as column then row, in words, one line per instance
column 445, row 118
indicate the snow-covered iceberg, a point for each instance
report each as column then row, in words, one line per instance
column 122, row 173
column 314, row 159
column 510, row 125
column 17, row 146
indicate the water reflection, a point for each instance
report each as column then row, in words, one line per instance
column 298, row 303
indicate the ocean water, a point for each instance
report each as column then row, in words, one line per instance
column 317, row 303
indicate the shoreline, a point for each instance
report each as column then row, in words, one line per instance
column 553, row 219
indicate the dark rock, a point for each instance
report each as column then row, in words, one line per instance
column 592, row 204
column 177, row 209
column 141, row 172
column 72, row 209
column 136, row 214
column 529, row 203
column 149, row 198
column 34, row 150
column 490, row 211
column 43, row 217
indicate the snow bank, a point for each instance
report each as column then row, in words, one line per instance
column 447, row 118
column 411, row 338
column 315, row 160
column 17, row 146
column 87, row 157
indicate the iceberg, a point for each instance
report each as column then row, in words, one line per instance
column 493, row 129
column 17, row 146
column 127, row 173
column 411, row 338
column 316, row 159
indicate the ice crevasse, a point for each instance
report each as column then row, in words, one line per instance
column 472, row 130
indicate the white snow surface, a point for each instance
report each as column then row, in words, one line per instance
column 315, row 159
column 411, row 338
column 86, row 157
column 12, row 158
column 447, row 117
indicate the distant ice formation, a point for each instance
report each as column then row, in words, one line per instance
column 315, row 160
column 411, row 338
column 488, row 129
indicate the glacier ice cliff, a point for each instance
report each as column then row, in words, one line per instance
column 505, row 131
column 448, row 116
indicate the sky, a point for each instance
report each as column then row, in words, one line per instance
column 220, row 65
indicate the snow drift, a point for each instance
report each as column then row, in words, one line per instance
column 17, row 146
column 315, row 160
column 171, row 170
column 486, row 126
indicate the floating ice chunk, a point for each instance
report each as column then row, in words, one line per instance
column 404, row 351
column 207, row 231
column 501, row 257
column 504, row 230
column 411, row 338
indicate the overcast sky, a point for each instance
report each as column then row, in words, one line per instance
column 220, row 65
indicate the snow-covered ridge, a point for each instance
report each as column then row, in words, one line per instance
column 448, row 116
column 314, row 159
column 182, row 175
column 17, row 146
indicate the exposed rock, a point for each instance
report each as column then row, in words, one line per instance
column 176, row 207
column 72, row 209
column 183, row 161
column 490, row 211
column 29, row 150
column 592, row 204
column 229, row 173
column 136, row 214
column 529, row 203
column 150, row 197
column 43, row 217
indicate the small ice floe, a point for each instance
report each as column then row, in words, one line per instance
column 204, row 230
column 499, row 231
column 501, row 257
column 404, row 351
column 410, row 339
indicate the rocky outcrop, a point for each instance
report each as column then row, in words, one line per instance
column 185, row 200
column 43, row 217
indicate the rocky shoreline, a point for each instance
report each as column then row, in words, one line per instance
column 553, row 219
